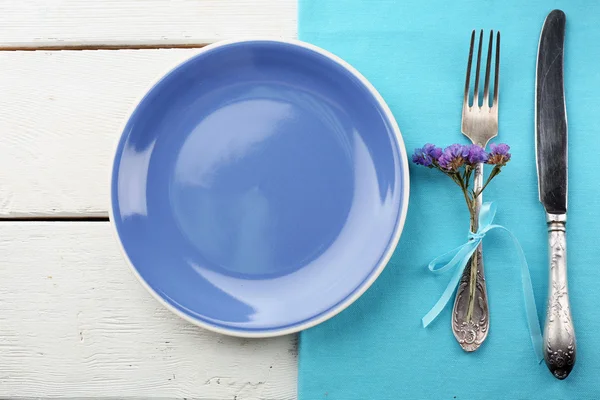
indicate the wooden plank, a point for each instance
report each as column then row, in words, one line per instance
column 61, row 113
column 74, row 323
column 33, row 23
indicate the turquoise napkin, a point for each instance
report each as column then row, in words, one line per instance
column 415, row 54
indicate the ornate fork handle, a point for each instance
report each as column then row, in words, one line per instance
column 560, row 346
column 470, row 315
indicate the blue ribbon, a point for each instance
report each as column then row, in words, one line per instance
column 458, row 259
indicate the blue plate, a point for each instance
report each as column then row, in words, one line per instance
column 260, row 187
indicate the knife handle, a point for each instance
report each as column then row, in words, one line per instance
column 560, row 348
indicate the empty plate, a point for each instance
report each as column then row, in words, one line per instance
column 260, row 187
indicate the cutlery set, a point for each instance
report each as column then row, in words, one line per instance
column 470, row 316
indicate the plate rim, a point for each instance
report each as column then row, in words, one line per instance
column 374, row 273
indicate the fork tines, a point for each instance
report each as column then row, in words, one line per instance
column 486, row 85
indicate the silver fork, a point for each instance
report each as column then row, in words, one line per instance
column 470, row 316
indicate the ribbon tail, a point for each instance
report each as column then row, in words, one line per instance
column 530, row 308
column 460, row 259
column 447, row 260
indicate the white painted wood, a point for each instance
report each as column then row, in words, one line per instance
column 74, row 322
column 60, row 116
column 30, row 23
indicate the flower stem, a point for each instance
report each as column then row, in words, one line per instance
column 462, row 180
column 493, row 174
column 474, row 265
column 465, row 191
column 468, row 172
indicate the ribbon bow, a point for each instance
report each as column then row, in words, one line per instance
column 458, row 259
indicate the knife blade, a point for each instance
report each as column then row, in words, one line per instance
column 552, row 166
column 551, row 116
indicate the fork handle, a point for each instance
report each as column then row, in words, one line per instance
column 560, row 347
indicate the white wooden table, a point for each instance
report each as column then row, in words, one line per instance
column 74, row 322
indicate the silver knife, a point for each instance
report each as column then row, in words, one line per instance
column 551, row 151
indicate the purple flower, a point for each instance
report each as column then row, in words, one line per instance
column 454, row 157
column 434, row 152
column 427, row 155
column 499, row 154
column 476, row 155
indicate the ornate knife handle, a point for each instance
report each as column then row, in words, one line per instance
column 560, row 346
